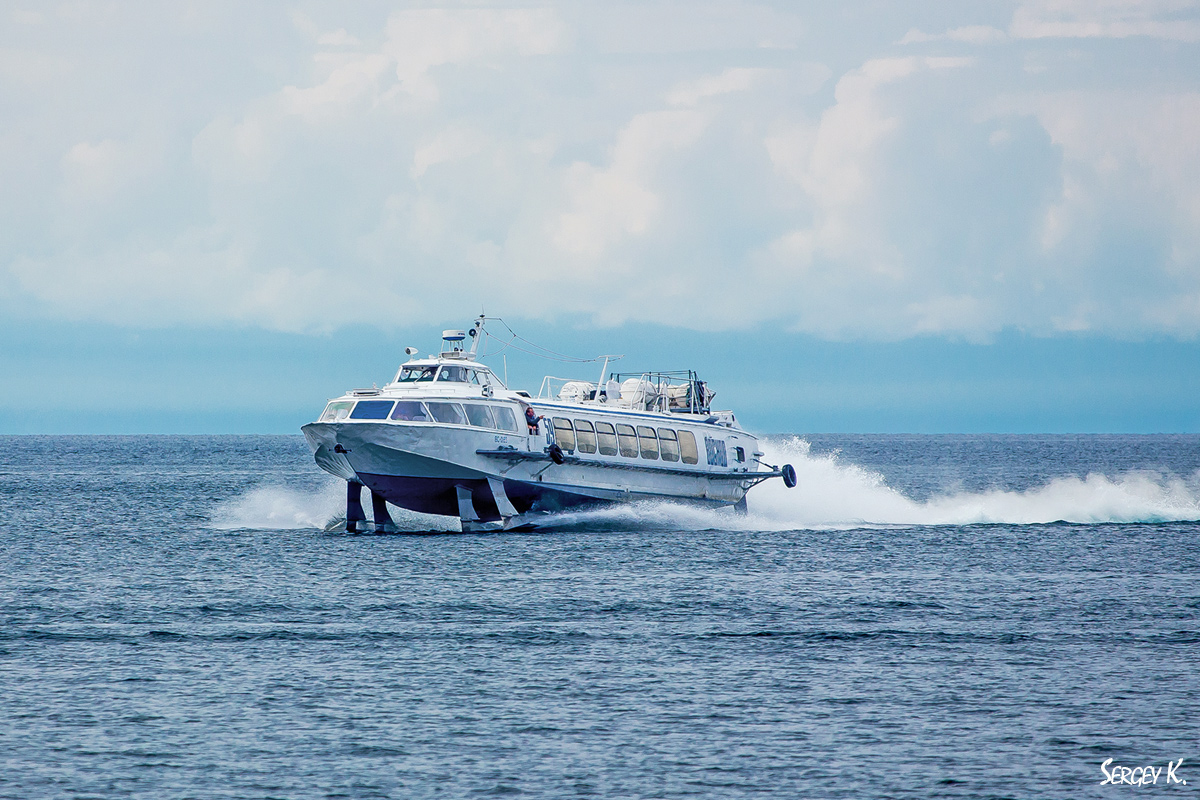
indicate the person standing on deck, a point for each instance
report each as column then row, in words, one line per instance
column 532, row 419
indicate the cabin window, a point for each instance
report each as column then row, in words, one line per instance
column 410, row 411
column 337, row 411
column 585, row 436
column 739, row 454
column 449, row 413
column 718, row 456
column 417, row 374
column 506, row 420
column 473, row 377
column 454, row 374
column 606, row 439
column 687, row 448
column 372, row 409
column 564, row 434
column 480, row 416
column 668, row 445
column 648, row 441
column 628, row 441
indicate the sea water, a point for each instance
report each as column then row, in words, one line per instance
column 958, row 616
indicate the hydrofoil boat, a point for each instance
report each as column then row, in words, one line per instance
column 448, row 437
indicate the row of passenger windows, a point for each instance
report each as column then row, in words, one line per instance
column 476, row 414
column 606, row 438
column 609, row 439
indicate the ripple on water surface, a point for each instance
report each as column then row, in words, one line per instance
column 152, row 647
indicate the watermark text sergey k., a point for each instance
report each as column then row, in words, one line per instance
column 1140, row 776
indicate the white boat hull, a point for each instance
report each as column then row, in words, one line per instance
column 427, row 468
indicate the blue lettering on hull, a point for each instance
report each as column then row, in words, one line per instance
column 717, row 455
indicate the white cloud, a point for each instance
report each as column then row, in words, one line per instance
column 942, row 314
column 968, row 34
column 202, row 276
column 335, row 38
column 447, row 145
column 305, row 24
column 834, row 161
column 1178, row 20
column 682, row 26
column 738, row 79
column 24, row 16
column 351, row 80
column 1141, row 143
column 338, row 38
column 566, row 162
column 236, row 151
column 1130, row 159
column 849, row 275
column 94, row 171
column 23, row 68
column 421, row 39
column 606, row 204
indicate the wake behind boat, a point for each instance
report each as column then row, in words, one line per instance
column 447, row 437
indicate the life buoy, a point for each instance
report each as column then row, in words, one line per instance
column 556, row 454
column 789, row 476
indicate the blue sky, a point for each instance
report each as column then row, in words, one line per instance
column 860, row 216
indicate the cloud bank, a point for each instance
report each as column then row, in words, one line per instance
column 709, row 165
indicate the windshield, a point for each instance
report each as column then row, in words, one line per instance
column 457, row 374
column 416, row 374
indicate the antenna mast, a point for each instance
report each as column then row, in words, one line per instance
column 477, row 333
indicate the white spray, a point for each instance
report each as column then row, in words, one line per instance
column 830, row 494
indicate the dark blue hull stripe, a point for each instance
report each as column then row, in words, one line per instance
column 437, row 495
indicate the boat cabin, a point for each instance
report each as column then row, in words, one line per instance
column 439, row 373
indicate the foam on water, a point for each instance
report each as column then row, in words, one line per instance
column 280, row 508
column 831, row 493
column 285, row 508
